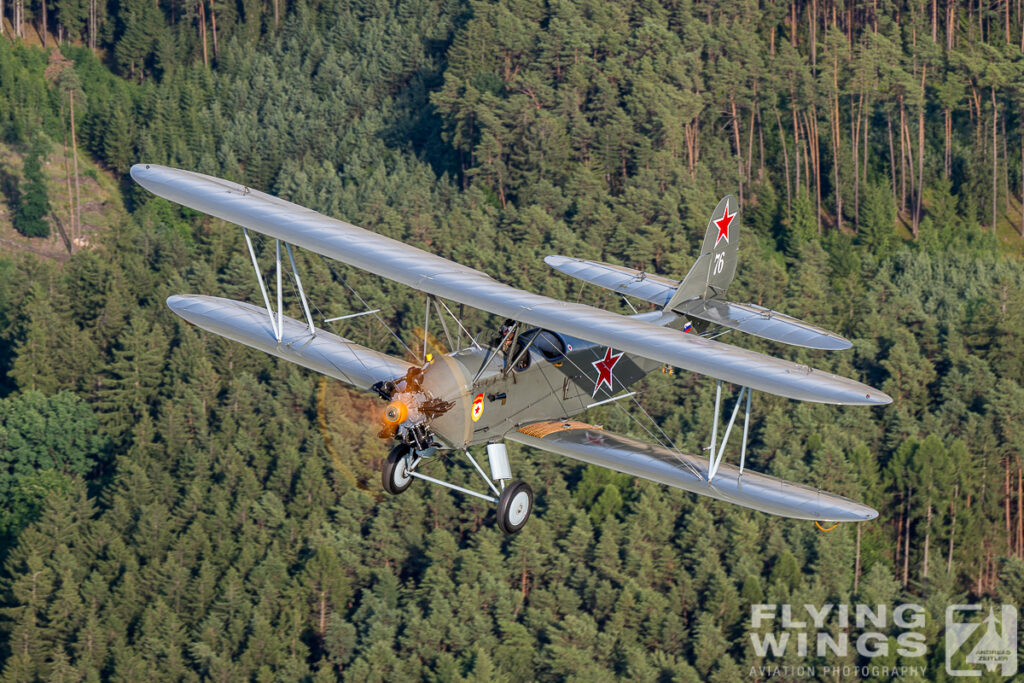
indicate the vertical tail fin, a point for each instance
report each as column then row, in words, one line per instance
column 715, row 267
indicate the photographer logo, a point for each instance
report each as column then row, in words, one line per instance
column 976, row 643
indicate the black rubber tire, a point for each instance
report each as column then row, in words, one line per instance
column 514, row 507
column 392, row 473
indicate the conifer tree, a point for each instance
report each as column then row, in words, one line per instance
column 33, row 200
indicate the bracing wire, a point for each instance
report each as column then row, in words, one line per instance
column 670, row 445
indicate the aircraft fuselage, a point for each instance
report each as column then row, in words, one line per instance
column 556, row 378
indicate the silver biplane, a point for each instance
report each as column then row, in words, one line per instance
column 551, row 361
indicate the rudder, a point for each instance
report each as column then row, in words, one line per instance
column 716, row 266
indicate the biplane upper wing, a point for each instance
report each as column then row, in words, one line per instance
column 438, row 276
column 323, row 352
column 762, row 492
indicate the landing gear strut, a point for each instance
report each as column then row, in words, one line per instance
column 514, row 499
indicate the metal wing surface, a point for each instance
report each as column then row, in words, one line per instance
column 653, row 288
column 435, row 275
column 751, row 489
column 748, row 318
column 324, row 352
column 764, row 322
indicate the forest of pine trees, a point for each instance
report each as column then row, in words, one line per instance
column 176, row 506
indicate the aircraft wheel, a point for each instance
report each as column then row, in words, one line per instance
column 514, row 506
column 394, row 475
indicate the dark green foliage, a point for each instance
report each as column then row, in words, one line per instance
column 185, row 518
column 32, row 203
column 878, row 220
column 45, row 442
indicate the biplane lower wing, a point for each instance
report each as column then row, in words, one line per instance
column 762, row 492
column 323, row 352
column 432, row 274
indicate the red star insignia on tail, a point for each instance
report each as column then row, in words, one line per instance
column 604, row 370
column 723, row 225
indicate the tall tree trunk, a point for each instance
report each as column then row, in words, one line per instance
column 833, row 115
column 812, row 20
column 213, row 25
column 856, row 562
column 1020, row 512
column 927, row 541
column 789, row 191
column 835, row 133
column 899, row 533
column 910, row 170
column 1006, row 501
column 903, row 156
column 796, row 147
column 202, row 31
column 77, row 228
column 995, row 164
column 950, row 23
column 906, row 545
column 750, row 140
column 760, row 141
column 1022, row 187
column 792, row 23
column 43, row 22
column 1006, row 164
column 855, row 124
column 946, row 160
column 93, row 21
column 1006, row 23
column 952, row 528
column 920, row 154
column 865, row 136
column 67, row 178
column 892, row 156
column 813, row 149
column 736, row 137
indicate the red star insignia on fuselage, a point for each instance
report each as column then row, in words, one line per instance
column 723, row 225
column 604, row 370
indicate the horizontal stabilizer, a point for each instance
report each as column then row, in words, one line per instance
column 748, row 318
column 653, row 288
column 656, row 463
column 763, row 322
column 325, row 353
